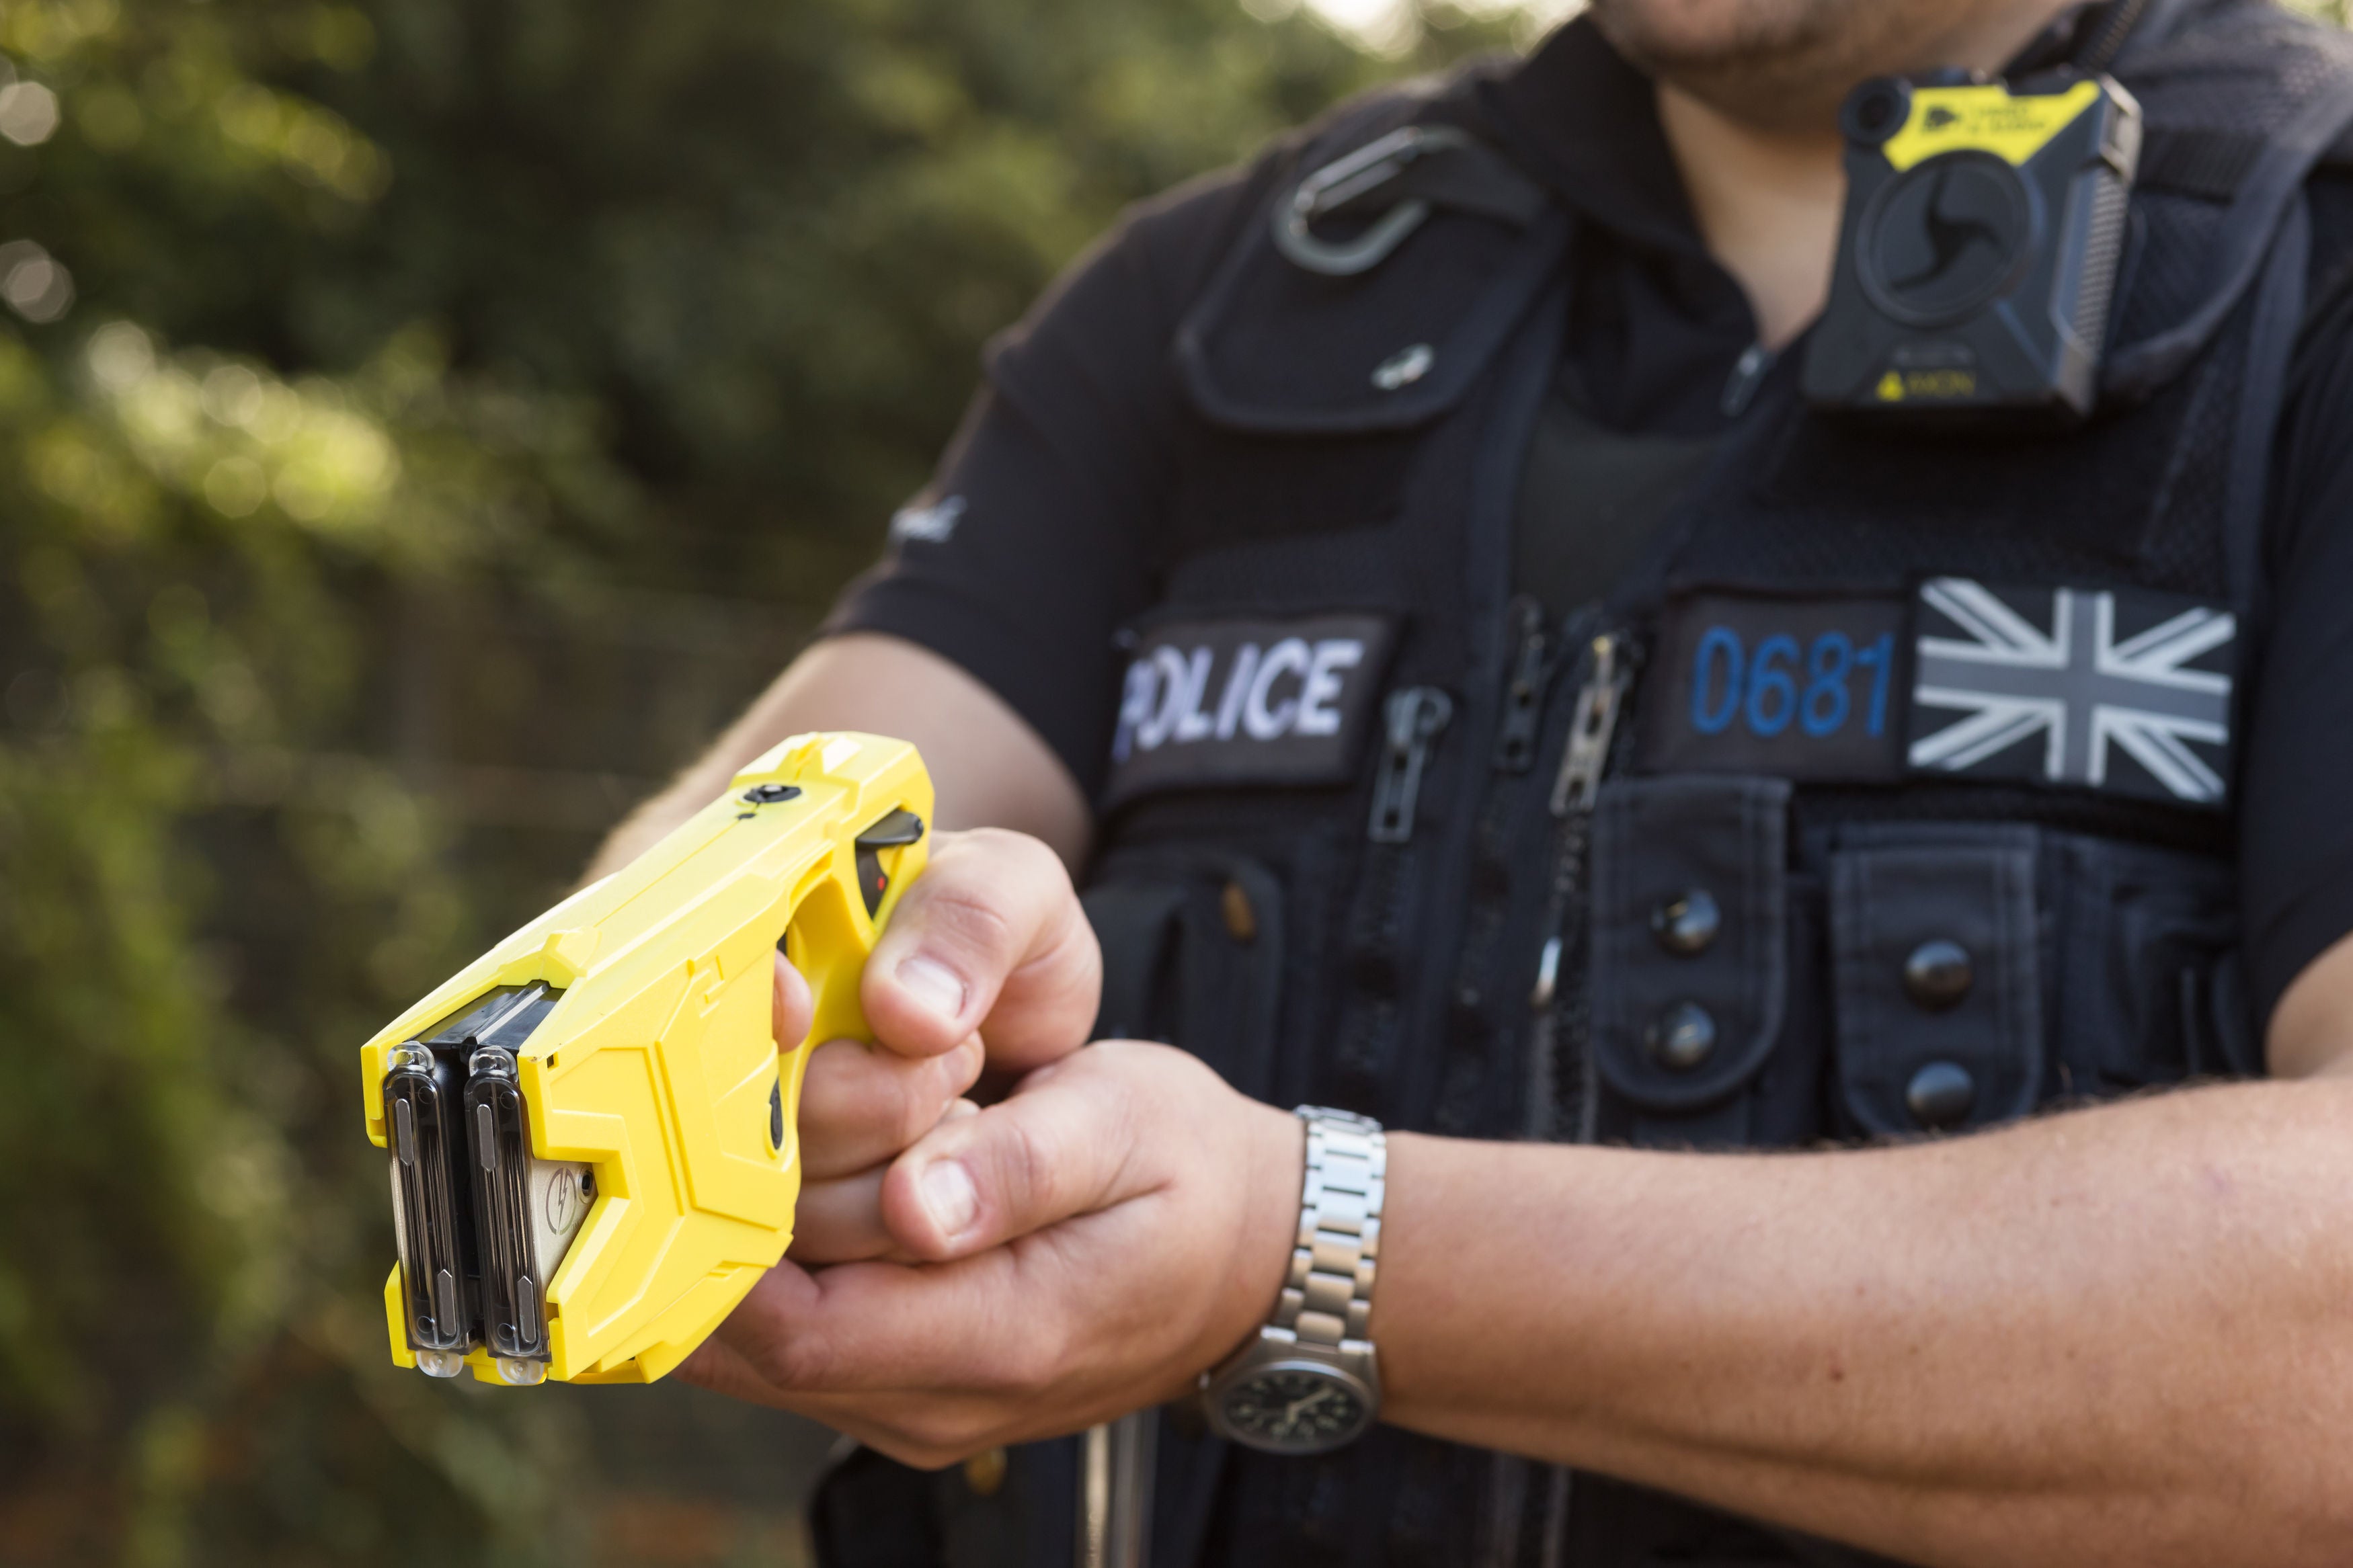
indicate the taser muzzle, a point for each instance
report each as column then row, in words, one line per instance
column 590, row 1128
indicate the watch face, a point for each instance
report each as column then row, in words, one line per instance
column 1296, row 1409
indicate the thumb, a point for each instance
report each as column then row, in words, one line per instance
column 990, row 937
column 1058, row 1146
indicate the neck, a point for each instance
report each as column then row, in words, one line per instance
column 1767, row 204
column 1768, row 180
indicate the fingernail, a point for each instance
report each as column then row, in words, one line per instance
column 948, row 1196
column 933, row 985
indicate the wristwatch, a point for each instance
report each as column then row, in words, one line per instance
column 1308, row 1381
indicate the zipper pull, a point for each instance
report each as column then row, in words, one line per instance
column 1515, row 742
column 1599, row 702
column 1416, row 716
column 1547, row 984
column 1749, row 374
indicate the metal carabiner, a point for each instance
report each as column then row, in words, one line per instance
column 1335, row 184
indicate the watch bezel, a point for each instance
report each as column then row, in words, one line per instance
column 1257, row 1363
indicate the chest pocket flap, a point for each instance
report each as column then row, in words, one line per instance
column 1282, row 344
column 1936, row 979
column 1689, row 954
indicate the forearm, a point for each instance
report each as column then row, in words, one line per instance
column 2121, row 1335
column 990, row 768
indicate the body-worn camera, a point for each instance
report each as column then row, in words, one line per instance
column 1985, row 222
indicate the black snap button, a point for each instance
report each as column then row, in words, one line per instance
column 1685, row 926
column 1937, row 974
column 1682, row 1038
column 770, row 794
column 1940, row 1095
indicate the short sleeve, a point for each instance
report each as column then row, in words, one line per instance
column 1037, row 539
column 2295, row 811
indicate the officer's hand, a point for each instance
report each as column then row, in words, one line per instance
column 1117, row 1224
column 987, row 961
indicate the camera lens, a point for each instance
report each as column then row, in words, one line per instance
column 1876, row 110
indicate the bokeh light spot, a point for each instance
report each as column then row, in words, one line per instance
column 121, row 355
column 236, row 487
column 35, row 283
column 303, row 493
column 233, row 395
column 28, row 113
column 109, row 117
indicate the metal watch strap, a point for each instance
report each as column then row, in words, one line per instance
column 1328, row 1298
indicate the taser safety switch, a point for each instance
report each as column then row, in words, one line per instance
column 1984, row 227
column 590, row 1128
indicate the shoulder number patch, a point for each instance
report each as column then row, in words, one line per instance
column 2122, row 691
column 1213, row 703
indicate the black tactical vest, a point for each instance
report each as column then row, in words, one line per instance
column 1888, row 795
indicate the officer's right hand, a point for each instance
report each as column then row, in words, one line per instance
column 989, row 961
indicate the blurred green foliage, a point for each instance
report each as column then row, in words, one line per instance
column 379, row 383
column 420, row 422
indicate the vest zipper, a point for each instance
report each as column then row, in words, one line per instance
column 1592, row 736
column 1610, row 669
column 1365, row 1038
column 1416, row 716
column 1595, row 726
column 1531, row 672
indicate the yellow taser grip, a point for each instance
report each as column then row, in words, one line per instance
column 658, row 1065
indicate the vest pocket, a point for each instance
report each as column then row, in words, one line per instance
column 2151, row 991
column 1936, row 979
column 1192, row 949
column 1690, row 949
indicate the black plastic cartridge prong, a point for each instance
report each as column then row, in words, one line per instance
column 425, row 1213
column 514, row 1321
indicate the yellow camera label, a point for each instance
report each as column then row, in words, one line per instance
column 1985, row 119
column 1950, row 382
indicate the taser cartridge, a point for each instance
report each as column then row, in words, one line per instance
column 590, row 1128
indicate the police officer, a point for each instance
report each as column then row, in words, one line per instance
column 1503, row 705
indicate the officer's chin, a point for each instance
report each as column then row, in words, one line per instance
column 1781, row 66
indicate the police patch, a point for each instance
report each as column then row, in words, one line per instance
column 1794, row 689
column 2122, row 691
column 1234, row 702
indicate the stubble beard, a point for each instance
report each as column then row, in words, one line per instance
column 1778, row 64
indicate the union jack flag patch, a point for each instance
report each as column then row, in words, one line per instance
column 2121, row 690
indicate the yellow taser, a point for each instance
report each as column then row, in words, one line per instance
column 591, row 1127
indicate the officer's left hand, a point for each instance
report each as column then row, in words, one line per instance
column 1117, row 1224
